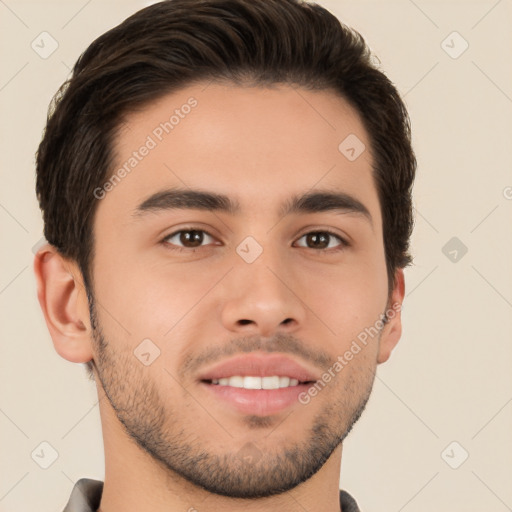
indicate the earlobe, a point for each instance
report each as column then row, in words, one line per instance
column 63, row 300
column 393, row 329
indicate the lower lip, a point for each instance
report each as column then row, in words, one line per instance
column 260, row 402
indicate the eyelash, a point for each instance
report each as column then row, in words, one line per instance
column 344, row 244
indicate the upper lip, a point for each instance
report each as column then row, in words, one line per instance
column 259, row 366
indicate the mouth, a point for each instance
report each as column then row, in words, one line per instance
column 259, row 370
column 253, row 400
column 257, row 384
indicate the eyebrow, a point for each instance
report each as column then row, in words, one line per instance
column 190, row 199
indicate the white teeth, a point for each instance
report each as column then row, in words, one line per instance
column 284, row 382
column 270, row 382
column 250, row 382
column 236, row 382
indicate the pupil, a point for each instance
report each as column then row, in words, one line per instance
column 314, row 237
column 194, row 237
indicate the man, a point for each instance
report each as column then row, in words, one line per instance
column 226, row 192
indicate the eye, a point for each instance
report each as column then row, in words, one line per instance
column 320, row 240
column 189, row 238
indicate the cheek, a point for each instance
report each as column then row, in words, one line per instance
column 151, row 300
column 347, row 298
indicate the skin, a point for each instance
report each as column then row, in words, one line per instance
column 168, row 444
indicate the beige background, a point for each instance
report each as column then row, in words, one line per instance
column 449, row 378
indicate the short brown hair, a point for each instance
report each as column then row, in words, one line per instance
column 174, row 43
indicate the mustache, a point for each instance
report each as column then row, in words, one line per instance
column 281, row 342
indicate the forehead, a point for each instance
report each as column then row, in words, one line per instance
column 257, row 145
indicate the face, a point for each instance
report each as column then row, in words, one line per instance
column 183, row 284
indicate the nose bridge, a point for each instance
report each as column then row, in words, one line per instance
column 261, row 269
column 260, row 292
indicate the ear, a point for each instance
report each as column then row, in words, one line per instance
column 392, row 331
column 63, row 300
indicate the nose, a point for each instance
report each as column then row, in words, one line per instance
column 260, row 297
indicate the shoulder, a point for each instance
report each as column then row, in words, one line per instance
column 85, row 496
column 348, row 503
